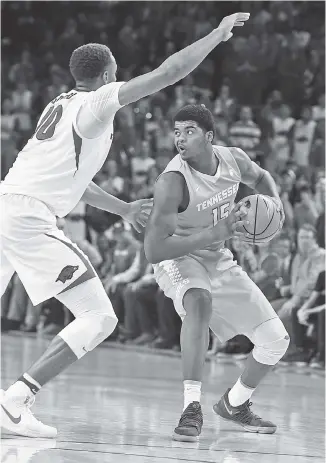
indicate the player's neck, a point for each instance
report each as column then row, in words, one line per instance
column 86, row 87
column 207, row 164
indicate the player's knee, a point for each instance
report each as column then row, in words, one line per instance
column 90, row 328
column 271, row 342
column 104, row 325
column 107, row 319
column 198, row 303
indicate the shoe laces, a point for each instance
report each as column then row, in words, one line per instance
column 29, row 402
column 192, row 416
column 245, row 413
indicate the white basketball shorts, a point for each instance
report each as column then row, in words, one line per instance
column 46, row 261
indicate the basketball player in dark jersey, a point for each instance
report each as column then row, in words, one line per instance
column 194, row 213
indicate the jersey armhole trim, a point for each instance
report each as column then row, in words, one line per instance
column 185, row 186
column 74, row 123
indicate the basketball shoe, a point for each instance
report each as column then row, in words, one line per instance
column 243, row 416
column 17, row 418
column 190, row 424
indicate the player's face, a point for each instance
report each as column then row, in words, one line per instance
column 190, row 139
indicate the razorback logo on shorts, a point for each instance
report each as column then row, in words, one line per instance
column 67, row 273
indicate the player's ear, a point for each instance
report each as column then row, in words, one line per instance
column 209, row 136
column 106, row 77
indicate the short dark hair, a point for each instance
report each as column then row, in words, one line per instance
column 88, row 61
column 198, row 113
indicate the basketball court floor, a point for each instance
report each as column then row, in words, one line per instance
column 121, row 406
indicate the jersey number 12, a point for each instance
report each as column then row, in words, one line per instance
column 47, row 125
column 220, row 212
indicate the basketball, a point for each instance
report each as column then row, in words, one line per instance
column 264, row 219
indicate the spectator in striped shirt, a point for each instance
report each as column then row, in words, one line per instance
column 245, row 133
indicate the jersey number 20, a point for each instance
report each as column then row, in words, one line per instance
column 46, row 127
column 220, row 212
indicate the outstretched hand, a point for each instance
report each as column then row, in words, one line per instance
column 138, row 213
column 229, row 22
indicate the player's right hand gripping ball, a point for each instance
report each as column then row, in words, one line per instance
column 264, row 219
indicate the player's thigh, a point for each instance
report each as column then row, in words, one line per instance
column 177, row 277
column 49, row 264
column 88, row 298
column 6, row 272
column 239, row 306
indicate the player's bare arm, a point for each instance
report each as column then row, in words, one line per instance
column 136, row 212
column 255, row 177
column 160, row 244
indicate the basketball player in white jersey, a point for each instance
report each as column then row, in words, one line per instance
column 193, row 215
column 51, row 174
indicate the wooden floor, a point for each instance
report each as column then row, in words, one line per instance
column 121, row 406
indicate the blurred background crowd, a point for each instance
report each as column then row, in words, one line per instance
column 266, row 89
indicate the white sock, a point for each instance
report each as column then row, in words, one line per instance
column 239, row 394
column 18, row 393
column 192, row 392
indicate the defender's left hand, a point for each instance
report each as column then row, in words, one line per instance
column 138, row 213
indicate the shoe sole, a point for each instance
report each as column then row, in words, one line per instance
column 183, row 438
column 252, row 429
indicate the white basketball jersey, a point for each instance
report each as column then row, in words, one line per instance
column 58, row 163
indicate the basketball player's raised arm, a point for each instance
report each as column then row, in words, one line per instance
column 180, row 64
column 160, row 244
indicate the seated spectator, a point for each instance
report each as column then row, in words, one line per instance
column 127, row 266
column 303, row 135
column 281, row 127
column 311, row 314
column 306, row 266
column 245, row 133
column 21, row 315
column 141, row 314
column 305, row 211
column 266, row 277
column 150, row 317
column 169, row 323
column 105, row 248
column 282, row 246
column 53, row 318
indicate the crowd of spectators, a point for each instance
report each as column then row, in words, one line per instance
column 265, row 88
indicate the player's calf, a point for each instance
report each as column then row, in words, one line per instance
column 270, row 344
